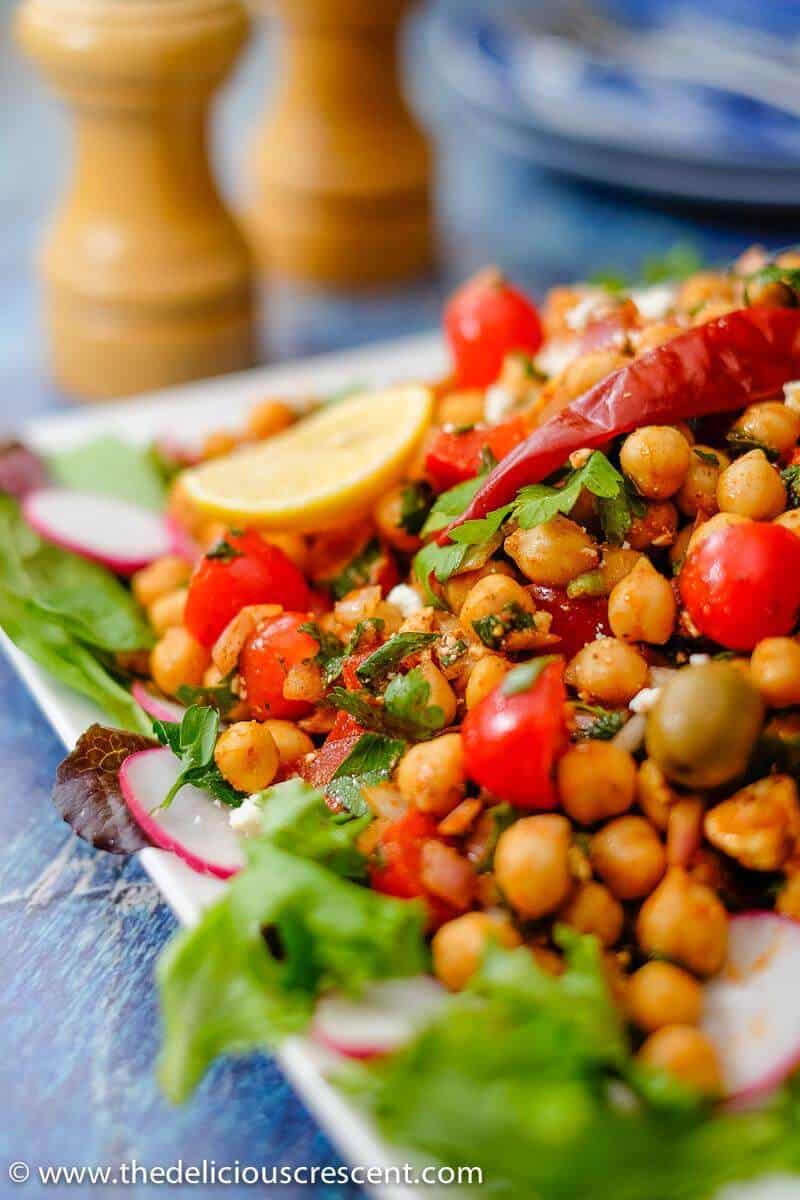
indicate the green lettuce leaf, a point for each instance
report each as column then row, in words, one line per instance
column 531, row 1078
column 110, row 465
column 287, row 928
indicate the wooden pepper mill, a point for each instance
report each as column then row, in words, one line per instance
column 147, row 278
column 341, row 171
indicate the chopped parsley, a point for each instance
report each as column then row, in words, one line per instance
column 220, row 696
column 223, row 551
column 333, row 653
column 494, row 628
column 606, row 724
column 389, row 656
column 706, row 456
column 358, row 572
column 415, row 505
column 791, row 478
column 740, row 442
column 371, row 761
column 404, row 710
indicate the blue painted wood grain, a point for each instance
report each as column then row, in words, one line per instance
column 79, row 932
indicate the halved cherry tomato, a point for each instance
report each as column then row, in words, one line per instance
column 242, row 569
column 485, row 320
column 576, row 622
column 454, row 457
column 742, row 584
column 514, row 736
column 397, row 869
column 265, row 661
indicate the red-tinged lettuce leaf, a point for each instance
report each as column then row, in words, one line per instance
column 21, row 471
column 87, row 792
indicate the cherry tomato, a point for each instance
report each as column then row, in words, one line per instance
column 577, row 622
column 742, row 584
column 265, row 662
column 514, row 736
column 397, row 870
column 484, row 320
column 454, row 457
column 241, row 569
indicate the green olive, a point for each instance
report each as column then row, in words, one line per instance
column 702, row 729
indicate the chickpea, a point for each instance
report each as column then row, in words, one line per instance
column 713, row 310
column 686, row 1054
column 720, row 520
column 596, row 780
column 531, row 864
column 494, row 595
column 388, row 514
column 643, row 608
column 629, row 857
column 791, row 520
column 657, row 527
column 751, row 487
column 268, row 418
column 441, row 694
column 685, row 921
column 698, row 492
column 660, row 993
column 704, row 286
column 584, row 372
column 775, row 670
column 617, row 563
column 176, row 659
column 771, row 424
column 552, row 553
column 162, row 576
column 593, row 909
column 213, row 677
column 758, row 825
column 656, row 460
column 771, row 293
column 431, row 774
column 292, row 744
column 656, row 334
column 460, row 408
column 458, row 587
column 167, row 610
column 458, row 946
column 656, row 797
column 218, row 443
column 608, row 670
column 304, row 682
column 247, row 756
column 487, row 673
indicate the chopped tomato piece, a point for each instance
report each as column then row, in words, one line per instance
column 576, row 621
column 454, row 457
column 398, row 866
column 241, row 569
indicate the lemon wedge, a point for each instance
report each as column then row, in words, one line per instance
column 325, row 470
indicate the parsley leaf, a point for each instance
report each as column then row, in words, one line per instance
column 791, row 477
column 224, row 551
column 606, row 724
column 706, row 456
column 220, row 696
column 331, row 654
column 415, row 505
column 404, row 713
column 740, row 442
column 495, row 627
column 441, row 562
column 371, row 761
column 391, row 654
column 357, row 573
column 193, row 741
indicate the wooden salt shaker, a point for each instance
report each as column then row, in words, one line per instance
column 341, row 172
column 147, row 278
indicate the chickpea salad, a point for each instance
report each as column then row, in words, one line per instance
column 483, row 697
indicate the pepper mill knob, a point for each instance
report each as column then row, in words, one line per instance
column 341, row 172
column 147, row 278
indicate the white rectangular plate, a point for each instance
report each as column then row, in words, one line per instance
column 187, row 412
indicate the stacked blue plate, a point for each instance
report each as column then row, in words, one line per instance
column 696, row 101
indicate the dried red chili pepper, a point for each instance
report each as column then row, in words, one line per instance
column 722, row 366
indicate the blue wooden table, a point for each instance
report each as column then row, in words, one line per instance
column 79, row 932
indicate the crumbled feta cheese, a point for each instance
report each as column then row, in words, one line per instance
column 654, row 302
column 246, row 819
column 555, row 356
column 406, row 599
column 791, row 395
column 698, row 660
column 498, row 404
column 578, row 317
column 644, row 700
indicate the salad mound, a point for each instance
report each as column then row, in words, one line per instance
column 520, row 712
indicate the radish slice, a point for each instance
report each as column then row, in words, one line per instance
column 156, row 706
column 194, row 827
column 182, row 543
column 751, row 1012
column 113, row 532
column 382, row 1019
